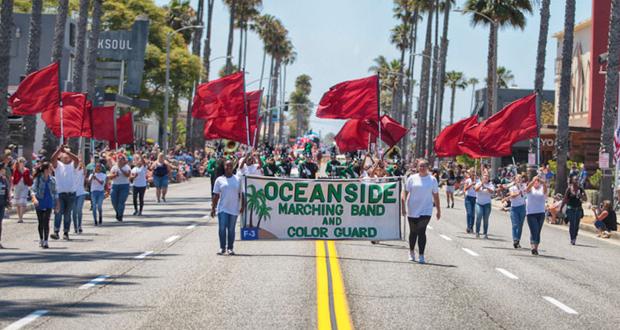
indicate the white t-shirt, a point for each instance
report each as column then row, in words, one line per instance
column 79, row 182
column 536, row 201
column 483, row 197
column 253, row 169
column 519, row 200
column 65, row 177
column 229, row 189
column 470, row 192
column 121, row 178
column 96, row 186
column 421, row 190
column 140, row 179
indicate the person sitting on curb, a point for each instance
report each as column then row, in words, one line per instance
column 605, row 219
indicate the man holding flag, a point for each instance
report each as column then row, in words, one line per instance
column 65, row 165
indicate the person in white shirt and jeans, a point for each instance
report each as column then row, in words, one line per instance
column 227, row 203
column 119, row 174
column 65, row 165
column 80, row 196
column 484, row 191
column 516, row 194
column 138, row 176
column 420, row 195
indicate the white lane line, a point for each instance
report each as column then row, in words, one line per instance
column 429, row 227
column 172, row 239
column 94, row 282
column 143, row 255
column 560, row 305
column 27, row 319
column 470, row 252
column 191, row 226
column 445, row 237
column 507, row 273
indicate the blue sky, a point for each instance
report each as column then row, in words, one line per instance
column 337, row 40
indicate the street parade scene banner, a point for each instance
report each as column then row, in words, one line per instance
column 295, row 209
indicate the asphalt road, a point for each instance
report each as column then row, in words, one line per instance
column 161, row 271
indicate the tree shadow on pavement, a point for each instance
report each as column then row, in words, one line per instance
column 47, row 257
column 341, row 258
column 58, row 280
column 379, row 245
column 149, row 223
column 18, row 309
column 483, row 239
column 543, row 256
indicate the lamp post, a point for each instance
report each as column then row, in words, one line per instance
column 167, row 88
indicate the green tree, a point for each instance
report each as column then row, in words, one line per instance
column 300, row 108
column 428, row 7
column 473, row 82
column 541, row 53
column 388, row 80
column 454, row 80
column 504, row 77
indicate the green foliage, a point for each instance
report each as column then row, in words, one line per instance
column 547, row 113
column 25, row 6
column 466, row 161
column 300, row 109
column 595, row 179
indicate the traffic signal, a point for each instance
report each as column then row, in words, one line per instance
column 286, row 106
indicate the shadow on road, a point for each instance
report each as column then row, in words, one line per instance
column 15, row 309
column 35, row 257
column 57, row 280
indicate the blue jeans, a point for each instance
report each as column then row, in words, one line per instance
column 119, row 195
column 470, row 208
column 517, row 216
column 96, row 199
column 77, row 212
column 482, row 214
column 67, row 202
column 535, row 222
column 574, row 218
column 226, row 228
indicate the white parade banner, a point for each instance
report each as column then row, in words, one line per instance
column 297, row 209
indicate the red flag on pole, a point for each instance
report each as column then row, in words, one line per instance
column 353, row 99
column 124, row 129
column 516, row 122
column 103, row 123
column 391, row 130
column 356, row 134
column 38, row 92
column 470, row 140
column 234, row 127
column 219, row 98
column 447, row 142
column 74, row 116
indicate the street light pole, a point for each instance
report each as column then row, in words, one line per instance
column 164, row 143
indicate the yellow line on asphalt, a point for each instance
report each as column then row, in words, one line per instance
column 322, row 288
column 331, row 296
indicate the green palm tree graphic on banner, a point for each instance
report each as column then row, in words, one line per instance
column 257, row 204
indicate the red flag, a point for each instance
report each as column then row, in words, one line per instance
column 234, row 127
column 356, row 134
column 353, row 99
column 391, row 130
column 447, row 142
column 219, row 98
column 124, row 129
column 87, row 130
column 103, row 123
column 74, row 109
column 470, row 140
column 38, row 92
column 516, row 122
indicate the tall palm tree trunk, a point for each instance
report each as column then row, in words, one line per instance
column 32, row 64
column 240, row 59
column 198, row 140
column 443, row 55
column 452, row 97
column 473, row 97
column 6, row 29
column 281, row 112
column 93, row 38
column 197, row 37
column 231, row 35
column 565, row 85
column 274, row 99
column 50, row 141
column 434, row 82
column 424, row 87
column 268, row 118
column 541, row 54
column 80, row 54
column 610, row 104
column 491, row 83
column 413, row 38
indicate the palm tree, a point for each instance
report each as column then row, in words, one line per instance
column 387, row 79
column 472, row 82
column 32, row 64
column 50, row 142
column 246, row 11
column 93, row 37
column 232, row 5
column 610, row 103
column 400, row 38
column 541, row 54
column 289, row 59
column 198, row 141
column 564, row 102
column 196, row 39
column 428, row 6
column 410, row 82
column 504, row 77
column 454, row 80
column 80, row 46
column 443, row 55
column 435, row 81
column 6, row 28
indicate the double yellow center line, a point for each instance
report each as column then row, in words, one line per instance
column 332, row 306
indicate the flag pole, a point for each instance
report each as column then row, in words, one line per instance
column 245, row 111
column 258, row 115
column 379, row 115
column 62, row 131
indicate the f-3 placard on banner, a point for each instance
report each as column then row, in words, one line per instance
column 297, row 209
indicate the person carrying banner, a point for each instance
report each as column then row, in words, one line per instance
column 227, row 203
column 420, row 195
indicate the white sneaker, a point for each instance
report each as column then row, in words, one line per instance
column 411, row 255
column 421, row 259
column 231, row 252
column 220, row 252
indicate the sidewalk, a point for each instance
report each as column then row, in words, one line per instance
column 587, row 223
